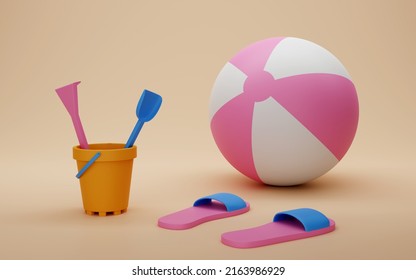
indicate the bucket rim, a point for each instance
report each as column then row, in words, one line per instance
column 109, row 152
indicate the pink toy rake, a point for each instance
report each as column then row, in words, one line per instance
column 69, row 96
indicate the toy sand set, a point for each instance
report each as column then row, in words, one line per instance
column 104, row 170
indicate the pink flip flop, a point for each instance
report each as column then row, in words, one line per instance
column 208, row 208
column 286, row 226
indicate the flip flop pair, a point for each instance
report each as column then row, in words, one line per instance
column 286, row 226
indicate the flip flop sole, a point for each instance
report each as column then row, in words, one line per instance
column 193, row 216
column 272, row 233
column 208, row 211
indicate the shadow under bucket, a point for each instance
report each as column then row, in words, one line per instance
column 105, row 185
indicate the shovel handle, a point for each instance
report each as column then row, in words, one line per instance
column 134, row 134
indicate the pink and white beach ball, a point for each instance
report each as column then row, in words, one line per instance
column 283, row 111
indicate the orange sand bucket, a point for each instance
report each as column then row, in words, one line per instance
column 105, row 185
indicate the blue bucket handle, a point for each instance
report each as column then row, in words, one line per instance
column 86, row 166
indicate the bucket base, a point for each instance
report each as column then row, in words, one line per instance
column 103, row 214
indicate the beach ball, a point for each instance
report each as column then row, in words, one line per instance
column 283, row 111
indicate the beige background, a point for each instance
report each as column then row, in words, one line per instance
column 176, row 48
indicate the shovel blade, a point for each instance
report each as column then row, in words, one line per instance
column 148, row 105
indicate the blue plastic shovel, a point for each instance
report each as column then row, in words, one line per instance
column 147, row 108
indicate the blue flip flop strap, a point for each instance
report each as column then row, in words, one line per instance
column 231, row 201
column 311, row 219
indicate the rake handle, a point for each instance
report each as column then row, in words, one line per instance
column 82, row 139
